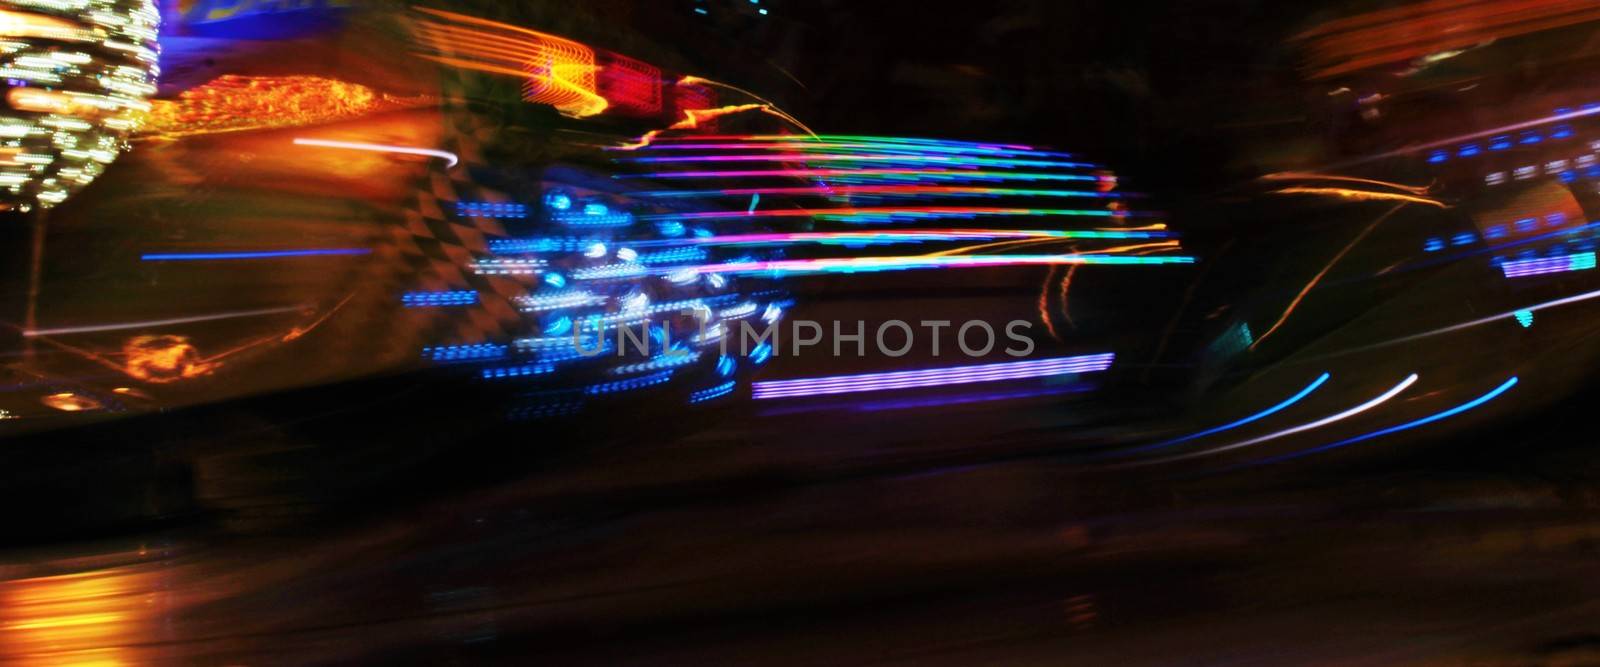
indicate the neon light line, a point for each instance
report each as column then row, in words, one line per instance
column 887, row 236
column 380, row 148
column 849, row 137
column 806, row 157
column 934, row 174
column 823, row 190
column 932, row 377
column 121, row 326
column 802, row 144
column 253, row 254
column 1375, row 402
column 1493, row 394
column 908, row 211
column 868, row 264
column 1510, row 314
column 1300, row 395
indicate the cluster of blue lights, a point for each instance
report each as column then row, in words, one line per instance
column 432, row 299
column 674, row 256
column 1501, row 143
column 1496, row 232
column 478, row 209
column 543, row 410
column 542, row 244
column 593, row 214
column 661, row 377
column 676, row 359
column 477, row 352
column 760, row 354
column 703, row 395
column 522, row 371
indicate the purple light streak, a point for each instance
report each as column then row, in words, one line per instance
column 932, row 377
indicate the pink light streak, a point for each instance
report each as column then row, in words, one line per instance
column 871, row 211
column 854, row 264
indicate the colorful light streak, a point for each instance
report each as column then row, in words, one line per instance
column 907, row 174
column 1341, row 416
column 898, row 190
column 251, row 254
column 447, row 156
column 956, row 161
column 1521, row 268
column 875, row 139
column 1296, row 398
column 925, row 212
column 851, row 238
column 1437, row 416
column 801, row 143
column 932, row 377
column 869, row 264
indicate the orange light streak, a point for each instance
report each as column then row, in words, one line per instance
column 1307, row 176
column 1318, row 278
column 1360, row 195
column 558, row 72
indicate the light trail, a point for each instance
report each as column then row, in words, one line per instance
column 823, row 190
column 1308, row 176
column 861, row 157
column 1360, row 195
column 557, row 71
column 869, row 264
column 1514, row 315
column 913, row 174
column 1317, row 278
column 890, row 236
column 799, row 143
column 150, row 324
column 915, row 141
column 1375, row 402
column 905, row 211
column 253, row 254
column 380, row 148
column 1446, row 414
column 1281, row 406
column 932, row 377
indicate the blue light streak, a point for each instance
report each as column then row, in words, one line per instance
column 1495, row 393
column 1321, row 379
